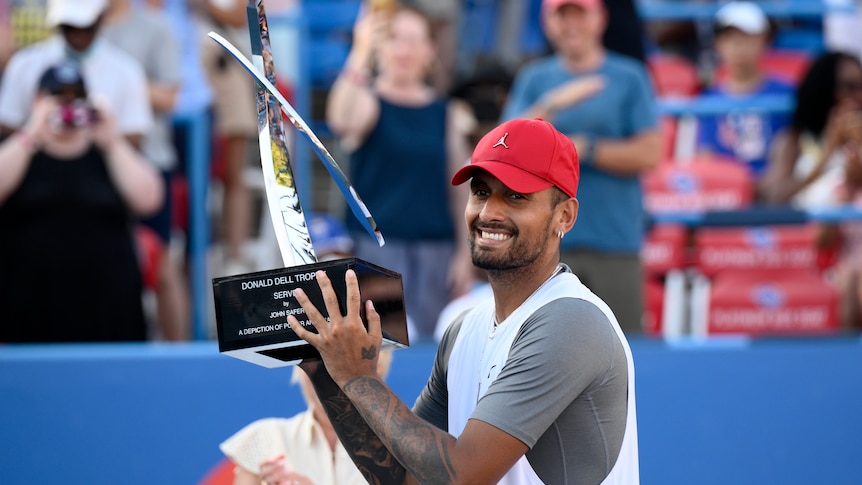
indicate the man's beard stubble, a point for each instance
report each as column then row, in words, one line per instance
column 521, row 254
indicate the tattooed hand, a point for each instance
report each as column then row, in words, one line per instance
column 347, row 348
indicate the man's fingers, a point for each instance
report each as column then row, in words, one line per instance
column 330, row 300
column 373, row 318
column 310, row 310
column 353, row 299
column 299, row 330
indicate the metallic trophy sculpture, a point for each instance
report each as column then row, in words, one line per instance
column 252, row 309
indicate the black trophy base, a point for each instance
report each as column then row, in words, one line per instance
column 252, row 309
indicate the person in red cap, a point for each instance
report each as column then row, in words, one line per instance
column 534, row 385
column 603, row 101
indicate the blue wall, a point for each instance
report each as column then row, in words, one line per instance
column 721, row 412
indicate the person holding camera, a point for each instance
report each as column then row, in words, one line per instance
column 71, row 191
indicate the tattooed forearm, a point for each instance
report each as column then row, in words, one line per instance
column 367, row 451
column 419, row 446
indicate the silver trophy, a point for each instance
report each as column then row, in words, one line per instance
column 252, row 309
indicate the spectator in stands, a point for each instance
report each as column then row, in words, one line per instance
column 742, row 36
column 70, row 191
column 235, row 112
column 808, row 161
column 402, row 135
column 302, row 450
column 847, row 236
column 604, row 102
column 145, row 34
column 817, row 162
column 445, row 17
column 111, row 75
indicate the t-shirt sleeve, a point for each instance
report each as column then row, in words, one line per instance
column 257, row 441
column 13, row 104
column 432, row 405
column 135, row 116
column 564, row 348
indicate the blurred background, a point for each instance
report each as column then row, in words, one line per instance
column 748, row 353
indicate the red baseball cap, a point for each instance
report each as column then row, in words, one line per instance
column 553, row 5
column 527, row 156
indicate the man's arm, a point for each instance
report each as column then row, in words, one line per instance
column 623, row 157
column 428, row 454
column 368, row 453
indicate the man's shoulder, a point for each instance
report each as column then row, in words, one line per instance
column 44, row 51
column 122, row 63
column 151, row 21
column 540, row 66
column 570, row 319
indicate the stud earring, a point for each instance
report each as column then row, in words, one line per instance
column 560, row 234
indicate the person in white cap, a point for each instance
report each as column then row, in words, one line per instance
column 535, row 385
column 742, row 36
column 113, row 78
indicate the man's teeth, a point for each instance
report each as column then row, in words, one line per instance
column 494, row 235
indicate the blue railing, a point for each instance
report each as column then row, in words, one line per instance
column 198, row 156
column 686, row 10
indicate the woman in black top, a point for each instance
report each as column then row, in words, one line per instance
column 71, row 191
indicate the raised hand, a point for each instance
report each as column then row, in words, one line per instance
column 347, row 348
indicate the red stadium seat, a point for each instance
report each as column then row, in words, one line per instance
column 762, row 248
column 673, row 76
column 758, row 303
column 789, row 65
column 653, row 307
column 664, row 249
column 706, row 183
column 150, row 248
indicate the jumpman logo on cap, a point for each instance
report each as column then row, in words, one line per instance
column 502, row 141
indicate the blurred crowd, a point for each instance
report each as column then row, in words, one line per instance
column 93, row 159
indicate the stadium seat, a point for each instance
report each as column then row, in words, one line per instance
column 705, row 183
column 806, row 39
column 653, row 306
column 664, row 249
column 766, row 303
column 150, row 248
column 787, row 64
column 790, row 65
column 757, row 249
column 330, row 26
column 673, row 76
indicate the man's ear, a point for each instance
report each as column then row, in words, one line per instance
column 568, row 213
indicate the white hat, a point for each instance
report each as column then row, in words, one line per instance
column 77, row 13
column 745, row 16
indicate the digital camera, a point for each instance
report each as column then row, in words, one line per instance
column 77, row 114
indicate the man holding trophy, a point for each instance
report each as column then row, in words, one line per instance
column 542, row 370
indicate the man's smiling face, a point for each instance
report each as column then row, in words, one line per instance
column 508, row 230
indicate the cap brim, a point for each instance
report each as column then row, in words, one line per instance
column 511, row 176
